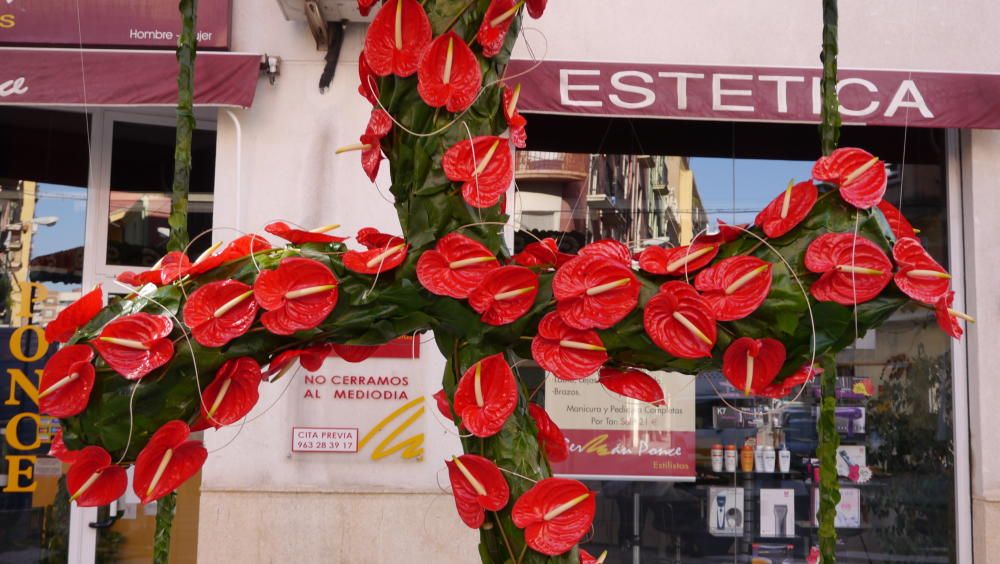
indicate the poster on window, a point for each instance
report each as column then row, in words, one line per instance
column 612, row 437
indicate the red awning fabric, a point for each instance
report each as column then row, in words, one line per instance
column 99, row 77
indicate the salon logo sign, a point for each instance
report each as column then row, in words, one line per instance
column 16, row 86
column 616, row 438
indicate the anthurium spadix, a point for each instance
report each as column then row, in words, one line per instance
column 167, row 461
column 570, row 354
column 397, row 37
column 496, row 22
column 483, row 165
column 677, row 261
column 220, row 311
column 853, row 269
column 594, row 292
column 504, row 295
column 735, row 287
column 67, row 381
column 680, row 321
column 486, row 396
column 555, row 514
column 515, row 121
column 455, row 266
column 859, row 176
column 297, row 295
column 136, row 344
column 478, row 486
column 751, row 365
column 919, row 275
column 787, row 210
column 232, row 394
column 449, row 75
column 93, row 480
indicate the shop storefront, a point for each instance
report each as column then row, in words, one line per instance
column 647, row 123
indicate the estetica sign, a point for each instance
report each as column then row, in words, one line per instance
column 922, row 99
column 109, row 23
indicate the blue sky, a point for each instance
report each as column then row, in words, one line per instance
column 69, row 204
column 757, row 182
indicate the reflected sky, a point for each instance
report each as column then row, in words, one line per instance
column 757, row 182
column 69, row 205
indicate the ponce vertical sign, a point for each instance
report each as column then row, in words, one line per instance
column 616, row 438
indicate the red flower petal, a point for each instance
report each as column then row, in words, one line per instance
column 490, row 491
column 536, row 7
column 900, row 225
column 93, row 480
column 441, row 399
column 781, row 389
column 505, row 294
column 365, row 6
column 232, row 394
column 680, row 321
column 727, row 234
column 588, row 558
column 449, row 74
column 555, row 514
column 515, row 121
column 544, row 253
column 485, row 407
column 372, row 238
column 919, row 276
column 298, row 295
column 67, row 380
column 455, row 266
column 167, row 461
column 609, row 249
column 570, row 354
column 297, row 236
column 218, row 312
column 374, row 261
column 59, row 451
column 834, row 255
column 860, row 176
column 136, row 344
column 237, row 249
column 633, row 384
column 594, row 292
column 368, row 86
column 379, row 125
column 172, row 266
column 384, row 55
column 945, row 319
column 354, row 353
column 735, row 286
column 788, row 209
column 484, row 165
column 493, row 31
column 139, row 279
column 550, row 436
column 311, row 359
column 74, row 316
column 677, row 261
column 768, row 356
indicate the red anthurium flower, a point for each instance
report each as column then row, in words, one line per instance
column 515, row 121
column 536, row 7
column 232, row 394
column 478, row 486
column 610, row 249
column 677, row 261
column 555, row 514
column 900, row 225
column 505, row 294
column 455, row 266
column 397, row 37
column 377, row 260
column 778, row 390
column 486, row 396
column 449, row 74
column 58, row 449
column 365, row 6
column 947, row 318
column 588, row 558
column 634, row 384
column 854, row 269
column 680, row 321
column 220, row 311
column 298, row 295
column 751, row 364
column 441, row 399
column 735, row 286
column 570, row 354
column 354, row 353
column 860, row 176
column 550, row 436
column 919, row 276
column 172, row 266
column 542, row 253
column 167, row 461
column 485, row 167
column 368, row 86
column 136, row 344
column 372, row 238
column 93, row 480
column 594, row 292
column 237, row 249
column 138, row 279
column 727, row 234
column 74, row 316
column 311, row 359
column 66, row 382
column 496, row 22
column 787, row 210
column 297, row 236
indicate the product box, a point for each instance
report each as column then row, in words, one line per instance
column 725, row 512
column 851, row 420
column 849, row 456
column 777, row 513
column 848, row 510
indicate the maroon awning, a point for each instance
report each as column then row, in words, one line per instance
column 94, row 77
column 766, row 94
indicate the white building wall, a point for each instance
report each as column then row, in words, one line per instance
column 253, row 503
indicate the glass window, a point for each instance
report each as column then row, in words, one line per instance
column 894, row 386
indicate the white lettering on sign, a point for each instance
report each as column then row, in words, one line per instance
column 718, row 92
column 908, row 87
column 13, row 87
column 868, row 85
column 682, row 85
column 324, row 439
column 618, row 83
column 781, row 85
column 565, row 88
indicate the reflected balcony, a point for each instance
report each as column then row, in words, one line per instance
column 558, row 167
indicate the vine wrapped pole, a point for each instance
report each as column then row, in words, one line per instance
column 186, row 52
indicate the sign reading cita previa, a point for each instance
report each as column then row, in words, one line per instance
column 109, row 23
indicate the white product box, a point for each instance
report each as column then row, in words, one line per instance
column 848, row 510
column 777, row 513
column 848, row 456
column 725, row 512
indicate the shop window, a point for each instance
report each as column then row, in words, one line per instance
column 894, row 387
